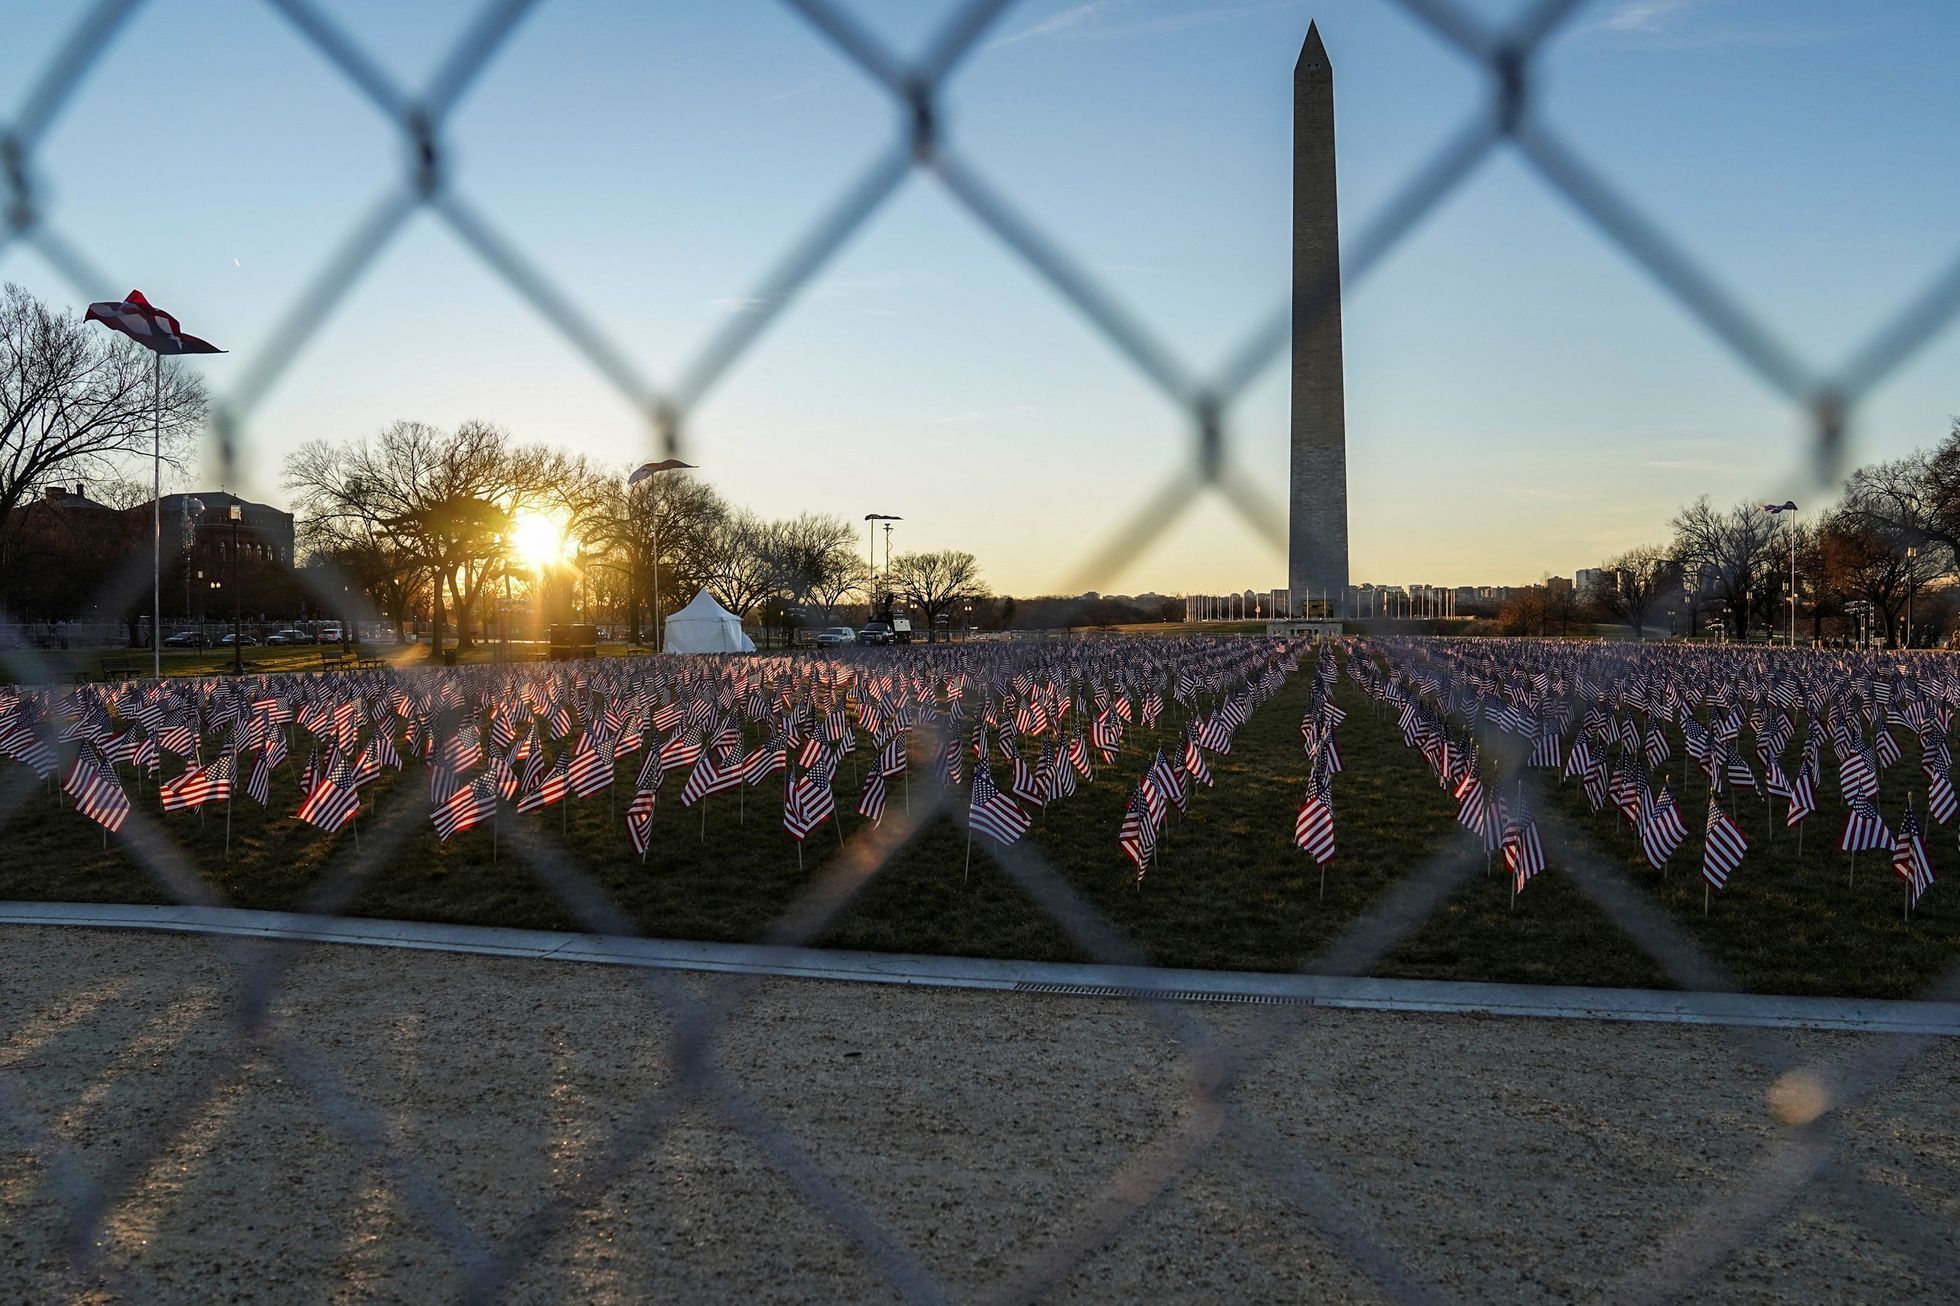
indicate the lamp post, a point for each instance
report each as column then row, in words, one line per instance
column 237, row 648
column 968, row 632
column 193, row 509
column 641, row 473
column 871, row 543
column 1912, row 583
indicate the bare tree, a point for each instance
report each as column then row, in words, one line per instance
column 744, row 569
column 446, row 497
column 1634, row 585
column 841, row 576
column 816, row 554
column 1874, row 563
column 76, row 401
column 1732, row 555
column 934, row 582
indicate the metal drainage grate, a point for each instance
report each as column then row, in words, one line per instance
column 1161, row 995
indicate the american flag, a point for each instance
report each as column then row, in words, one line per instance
column 591, row 770
column 334, row 799
column 1864, row 828
column 199, row 785
column 551, row 787
column 258, row 786
column 1909, row 857
column 1723, row 849
column 1313, row 826
column 652, row 773
column 1194, row 761
column 1663, row 830
column 471, row 805
column 1025, row 786
column 871, row 805
column 149, row 326
column 1545, row 751
column 639, row 819
column 1803, row 794
column 807, row 804
column 97, row 793
column 1168, row 780
column 1138, row 835
column 1061, row 778
column 992, row 813
column 1524, row 854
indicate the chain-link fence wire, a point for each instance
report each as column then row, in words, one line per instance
column 1800, row 1156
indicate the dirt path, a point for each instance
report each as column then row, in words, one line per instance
column 1494, row 1159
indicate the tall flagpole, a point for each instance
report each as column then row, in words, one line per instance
column 156, row 517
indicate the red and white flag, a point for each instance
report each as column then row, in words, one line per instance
column 147, row 325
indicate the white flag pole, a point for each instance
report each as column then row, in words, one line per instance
column 156, row 515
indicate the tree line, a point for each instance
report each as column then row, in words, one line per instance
column 1890, row 539
column 432, row 520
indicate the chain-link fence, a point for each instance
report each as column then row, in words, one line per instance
column 1799, row 1155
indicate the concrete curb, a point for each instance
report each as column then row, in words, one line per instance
column 1873, row 1016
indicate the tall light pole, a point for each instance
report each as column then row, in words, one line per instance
column 1912, row 583
column 871, row 520
column 237, row 647
column 193, row 509
column 641, row 473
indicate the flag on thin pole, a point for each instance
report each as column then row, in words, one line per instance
column 1722, row 852
column 1909, row 860
column 158, row 332
column 148, row 325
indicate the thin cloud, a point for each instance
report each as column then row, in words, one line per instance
column 1644, row 15
column 1049, row 26
column 1109, row 20
column 1703, row 25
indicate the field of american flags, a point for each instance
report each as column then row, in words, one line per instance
column 470, row 752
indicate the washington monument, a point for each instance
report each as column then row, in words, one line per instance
column 1317, row 530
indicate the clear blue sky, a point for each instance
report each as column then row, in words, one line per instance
column 1521, row 399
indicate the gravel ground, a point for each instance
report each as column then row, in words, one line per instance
column 1511, row 1159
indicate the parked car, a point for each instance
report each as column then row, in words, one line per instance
column 330, row 634
column 836, row 635
column 183, row 639
column 243, row 641
column 289, row 637
column 876, row 632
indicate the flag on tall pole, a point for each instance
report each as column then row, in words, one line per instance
column 158, row 332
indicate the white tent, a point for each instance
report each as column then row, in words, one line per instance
column 704, row 626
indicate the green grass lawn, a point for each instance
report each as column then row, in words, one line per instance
column 43, row 666
column 1229, row 890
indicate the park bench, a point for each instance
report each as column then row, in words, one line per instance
column 332, row 661
column 124, row 668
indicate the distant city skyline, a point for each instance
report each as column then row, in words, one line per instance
column 1521, row 400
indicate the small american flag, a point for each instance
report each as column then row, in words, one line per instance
column 1909, row 858
column 1722, row 852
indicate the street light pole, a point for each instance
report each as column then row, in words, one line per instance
column 1912, row 583
column 237, row 647
column 871, row 520
column 641, row 473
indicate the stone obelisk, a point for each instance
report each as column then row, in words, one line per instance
column 1317, row 545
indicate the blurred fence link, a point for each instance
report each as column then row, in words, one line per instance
column 1508, row 58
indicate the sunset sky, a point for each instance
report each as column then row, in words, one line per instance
column 1522, row 399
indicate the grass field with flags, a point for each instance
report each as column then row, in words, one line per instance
column 1225, row 886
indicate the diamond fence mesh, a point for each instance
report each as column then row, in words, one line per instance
column 1801, row 1154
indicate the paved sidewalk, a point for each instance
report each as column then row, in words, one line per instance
column 1748, row 1010
column 1495, row 1159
